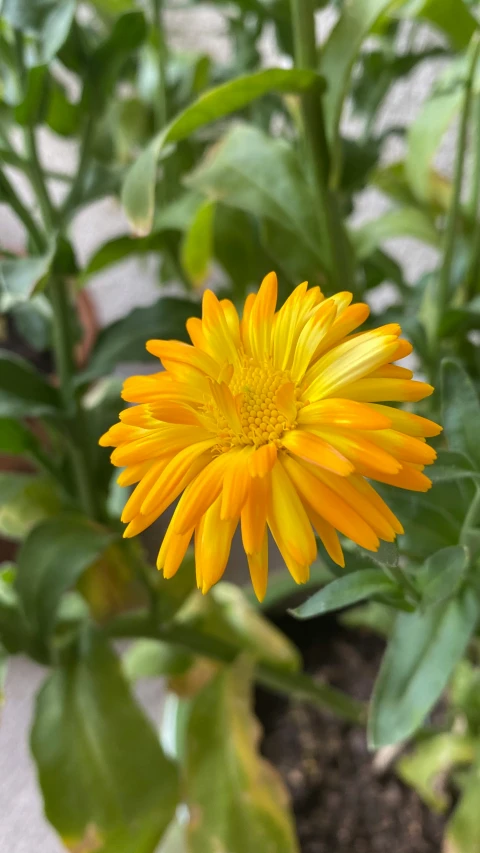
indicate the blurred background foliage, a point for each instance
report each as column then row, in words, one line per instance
column 226, row 170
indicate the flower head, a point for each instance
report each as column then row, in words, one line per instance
column 275, row 421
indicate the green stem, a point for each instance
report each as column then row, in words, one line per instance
column 73, row 196
column 140, row 624
column 443, row 289
column 473, row 207
column 37, row 236
column 303, row 21
column 160, row 108
column 472, row 518
column 64, row 356
column 37, row 178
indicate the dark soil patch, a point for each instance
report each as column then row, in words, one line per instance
column 342, row 804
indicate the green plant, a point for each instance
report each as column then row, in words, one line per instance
column 188, row 145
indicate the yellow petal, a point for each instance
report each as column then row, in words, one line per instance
column 311, row 336
column 262, row 460
column 340, row 412
column 331, row 506
column 346, row 363
column 176, row 476
column 173, row 549
column 261, row 317
column 290, row 518
column 258, row 566
column 134, row 503
column 314, row 449
column 407, row 422
column 213, row 540
column 367, row 489
column 200, row 494
column 391, row 371
column 348, row 318
column 254, row 513
column 359, row 449
column 217, row 331
column 226, row 403
column 134, row 473
column 380, row 390
column 236, row 483
column 286, row 401
column 170, row 352
column 328, row 536
column 359, row 501
column 405, row 447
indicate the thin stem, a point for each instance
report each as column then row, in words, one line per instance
column 63, row 347
column 474, row 201
column 303, row 20
column 140, row 624
column 73, row 196
column 37, row 178
column 472, row 518
column 160, row 107
column 443, row 288
column 34, row 169
column 37, row 236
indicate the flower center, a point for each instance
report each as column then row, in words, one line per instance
column 266, row 403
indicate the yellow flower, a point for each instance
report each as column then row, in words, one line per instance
column 274, row 421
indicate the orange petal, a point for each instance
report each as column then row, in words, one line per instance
column 262, row 460
column 258, row 566
column 314, row 449
column 331, row 506
column 342, row 412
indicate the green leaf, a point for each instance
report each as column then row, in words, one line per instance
column 422, row 652
column 105, row 65
column 463, row 830
column 50, row 562
column 13, row 637
column 49, row 21
column 262, row 176
column 33, row 107
column 428, row 766
column 25, row 500
column 197, row 247
column 250, row 630
column 23, row 392
column 399, row 222
column 428, row 129
column 105, row 781
column 63, row 116
column 120, row 248
column 138, row 195
column 443, row 573
column 114, row 7
column 125, row 339
column 372, row 616
column 338, row 58
column 345, row 591
column 15, row 438
column 248, row 811
column 451, row 465
column 3, row 673
column 451, row 16
column 461, row 411
column 21, row 278
column 154, row 658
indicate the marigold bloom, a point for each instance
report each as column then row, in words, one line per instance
column 274, row 421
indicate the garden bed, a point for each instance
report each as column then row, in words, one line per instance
column 343, row 802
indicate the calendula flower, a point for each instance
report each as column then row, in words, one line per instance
column 275, row 421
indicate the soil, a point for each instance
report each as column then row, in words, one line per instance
column 342, row 802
